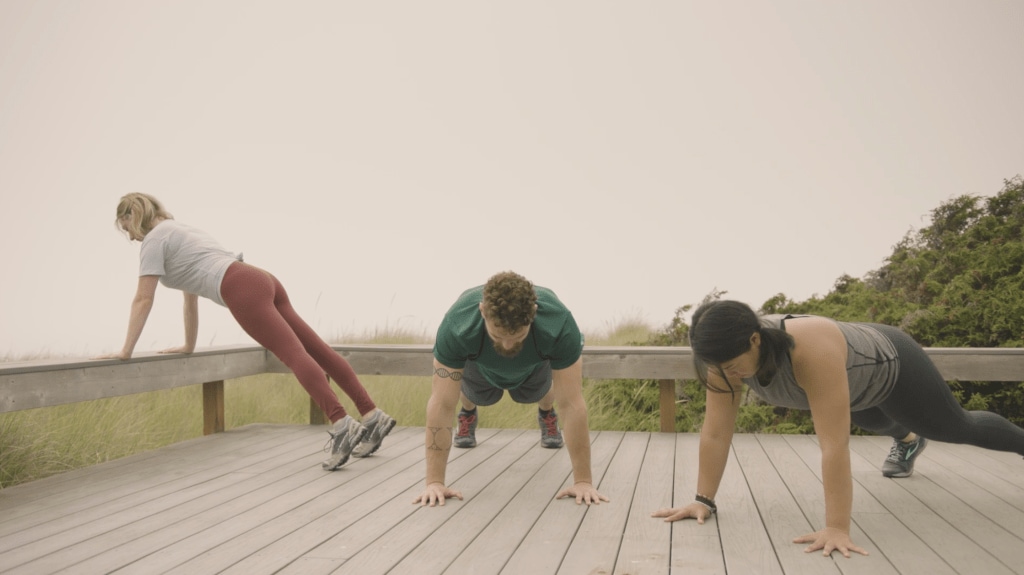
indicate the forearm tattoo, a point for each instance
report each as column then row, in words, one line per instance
column 436, row 445
column 452, row 375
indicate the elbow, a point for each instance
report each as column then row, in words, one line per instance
column 143, row 301
column 711, row 435
column 441, row 408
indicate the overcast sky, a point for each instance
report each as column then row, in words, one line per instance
column 381, row 157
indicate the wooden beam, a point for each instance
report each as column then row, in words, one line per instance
column 667, row 404
column 213, row 407
column 29, row 385
column 317, row 415
column 34, row 384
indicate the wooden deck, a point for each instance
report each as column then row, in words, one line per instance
column 254, row 500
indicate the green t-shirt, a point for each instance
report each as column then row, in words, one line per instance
column 553, row 336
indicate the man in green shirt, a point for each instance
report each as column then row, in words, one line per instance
column 508, row 335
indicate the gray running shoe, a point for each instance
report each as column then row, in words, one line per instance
column 900, row 462
column 345, row 435
column 466, row 435
column 377, row 428
column 550, row 436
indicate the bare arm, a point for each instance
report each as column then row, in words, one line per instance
column 715, row 440
column 141, row 306
column 568, row 392
column 444, row 397
column 819, row 364
column 191, row 314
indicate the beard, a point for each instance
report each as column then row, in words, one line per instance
column 508, row 352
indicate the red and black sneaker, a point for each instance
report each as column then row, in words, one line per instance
column 550, row 436
column 466, row 435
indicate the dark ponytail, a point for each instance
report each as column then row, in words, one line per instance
column 721, row 331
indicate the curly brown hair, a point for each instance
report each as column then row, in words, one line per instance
column 510, row 301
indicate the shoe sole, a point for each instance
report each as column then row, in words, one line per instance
column 387, row 430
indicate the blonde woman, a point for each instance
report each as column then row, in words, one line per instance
column 185, row 258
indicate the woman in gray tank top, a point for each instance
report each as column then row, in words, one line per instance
column 871, row 375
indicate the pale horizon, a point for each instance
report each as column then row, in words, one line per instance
column 382, row 158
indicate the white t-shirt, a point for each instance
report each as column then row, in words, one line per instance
column 185, row 258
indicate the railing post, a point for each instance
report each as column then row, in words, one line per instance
column 667, row 403
column 213, row 407
column 317, row 415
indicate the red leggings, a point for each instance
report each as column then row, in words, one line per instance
column 259, row 303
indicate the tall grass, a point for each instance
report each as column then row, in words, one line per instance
column 40, row 442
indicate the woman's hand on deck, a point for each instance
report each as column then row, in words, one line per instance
column 697, row 511
column 828, row 540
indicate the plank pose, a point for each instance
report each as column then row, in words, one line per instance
column 872, row 375
column 190, row 260
column 507, row 335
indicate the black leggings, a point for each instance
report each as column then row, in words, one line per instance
column 922, row 402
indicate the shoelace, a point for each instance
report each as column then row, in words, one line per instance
column 551, row 423
column 329, row 446
column 464, row 422
column 898, row 452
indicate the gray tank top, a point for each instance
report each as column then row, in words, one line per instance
column 871, row 367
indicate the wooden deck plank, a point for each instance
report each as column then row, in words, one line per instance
column 404, row 446
column 491, row 460
column 781, row 516
column 695, row 549
column 65, row 541
column 447, row 543
column 205, row 526
column 390, row 508
column 490, row 552
column 542, row 550
column 943, row 537
column 262, row 530
column 804, row 484
column 645, row 543
column 233, row 545
column 393, row 478
column 946, row 494
column 107, row 501
column 254, row 500
column 745, row 541
column 63, row 494
column 596, row 545
column 887, row 532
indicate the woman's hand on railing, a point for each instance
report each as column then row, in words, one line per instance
column 179, row 349
column 119, row 355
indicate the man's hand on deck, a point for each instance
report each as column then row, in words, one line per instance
column 435, row 494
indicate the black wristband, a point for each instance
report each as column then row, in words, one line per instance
column 706, row 502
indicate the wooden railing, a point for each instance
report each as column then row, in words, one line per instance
column 35, row 384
